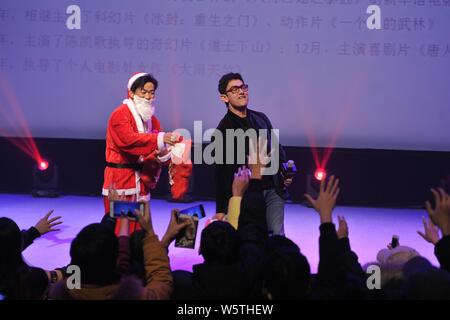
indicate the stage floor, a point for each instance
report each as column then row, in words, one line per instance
column 371, row 229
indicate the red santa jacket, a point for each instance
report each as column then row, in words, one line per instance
column 127, row 143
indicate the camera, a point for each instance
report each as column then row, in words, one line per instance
column 394, row 241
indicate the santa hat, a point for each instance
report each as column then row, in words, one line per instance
column 134, row 77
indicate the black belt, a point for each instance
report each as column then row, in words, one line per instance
column 134, row 166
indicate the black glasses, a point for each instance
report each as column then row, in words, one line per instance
column 235, row 89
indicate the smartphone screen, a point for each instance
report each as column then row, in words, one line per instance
column 198, row 211
column 125, row 209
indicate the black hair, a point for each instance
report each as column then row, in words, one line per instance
column 219, row 243
column 287, row 274
column 140, row 82
column 276, row 241
column 95, row 250
column 13, row 269
column 223, row 82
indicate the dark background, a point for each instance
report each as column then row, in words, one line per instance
column 368, row 177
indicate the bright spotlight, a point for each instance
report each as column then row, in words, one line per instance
column 42, row 164
column 320, row 174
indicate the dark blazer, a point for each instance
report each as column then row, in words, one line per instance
column 225, row 172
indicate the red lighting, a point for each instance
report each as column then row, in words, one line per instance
column 320, row 174
column 43, row 165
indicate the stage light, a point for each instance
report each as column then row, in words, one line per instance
column 320, row 174
column 45, row 179
column 313, row 182
column 43, row 164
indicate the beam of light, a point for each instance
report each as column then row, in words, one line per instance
column 354, row 95
column 12, row 112
column 306, row 124
column 341, row 117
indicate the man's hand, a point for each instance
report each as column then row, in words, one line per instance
column 145, row 219
column 219, row 216
column 113, row 195
column 240, row 182
column 171, row 138
column 173, row 229
column 46, row 225
column 326, row 200
column 431, row 233
column 287, row 182
column 440, row 215
column 254, row 159
column 342, row 231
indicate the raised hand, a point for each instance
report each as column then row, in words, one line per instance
column 342, row 231
column 326, row 200
column 431, row 231
column 240, row 182
column 46, row 225
column 440, row 215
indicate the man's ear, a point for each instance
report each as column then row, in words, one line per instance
column 224, row 98
column 131, row 94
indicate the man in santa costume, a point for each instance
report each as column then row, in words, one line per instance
column 136, row 148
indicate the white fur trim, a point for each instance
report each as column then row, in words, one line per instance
column 161, row 144
column 134, row 78
column 166, row 157
column 138, row 183
column 137, row 118
column 178, row 150
column 127, row 192
column 144, row 198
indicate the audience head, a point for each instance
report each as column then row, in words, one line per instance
column 219, row 243
column 17, row 280
column 286, row 273
column 95, row 251
column 392, row 261
column 10, row 246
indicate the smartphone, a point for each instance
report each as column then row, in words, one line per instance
column 186, row 238
column 394, row 242
column 119, row 209
column 198, row 211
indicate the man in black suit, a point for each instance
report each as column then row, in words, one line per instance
column 234, row 93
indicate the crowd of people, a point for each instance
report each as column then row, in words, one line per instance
column 246, row 253
column 241, row 259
